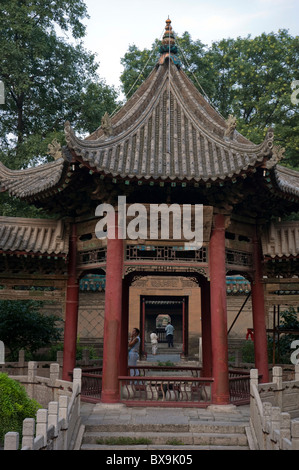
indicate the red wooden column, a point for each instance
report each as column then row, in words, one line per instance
column 124, row 329
column 143, row 351
column 258, row 313
column 113, row 318
column 71, row 309
column 220, row 390
column 184, row 352
column 206, row 370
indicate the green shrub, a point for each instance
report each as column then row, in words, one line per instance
column 15, row 406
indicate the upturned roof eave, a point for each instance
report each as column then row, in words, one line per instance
column 142, row 110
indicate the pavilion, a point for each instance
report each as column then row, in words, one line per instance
column 168, row 145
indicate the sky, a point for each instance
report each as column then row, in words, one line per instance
column 115, row 24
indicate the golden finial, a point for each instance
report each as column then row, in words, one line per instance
column 168, row 48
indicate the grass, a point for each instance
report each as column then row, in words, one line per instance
column 175, row 442
column 123, row 441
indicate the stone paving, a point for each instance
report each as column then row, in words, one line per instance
column 116, row 413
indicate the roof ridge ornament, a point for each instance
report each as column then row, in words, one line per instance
column 231, row 124
column 277, row 155
column 168, row 48
column 106, row 125
column 54, row 149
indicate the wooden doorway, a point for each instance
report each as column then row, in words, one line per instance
column 172, row 307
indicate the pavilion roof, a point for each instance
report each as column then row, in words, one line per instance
column 29, row 182
column 166, row 132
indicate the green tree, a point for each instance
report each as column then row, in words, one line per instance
column 137, row 66
column 289, row 323
column 49, row 78
column 45, row 76
column 15, row 406
column 22, row 326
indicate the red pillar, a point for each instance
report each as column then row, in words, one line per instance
column 184, row 352
column 71, row 309
column 220, row 390
column 124, row 329
column 143, row 351
column 113, row 316
column 206, row 370
column 258, row 313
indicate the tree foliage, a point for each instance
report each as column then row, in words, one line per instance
column 288, row 327
column 248, row 77
column 22, row 326
column 47, row 78
column 15, row 406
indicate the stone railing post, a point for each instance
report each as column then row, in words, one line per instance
column 63, row 414
column 54, row 374
column 277, row 379
column 77, row 381
column 254, row 377
column 275, row 426
column 295, row 435
column 267, row 407
column 285, row 428
column 53, row 410
column 11, row 441
column 28, row 433
column 42, row 425
column 77, row 378
column 32, row 370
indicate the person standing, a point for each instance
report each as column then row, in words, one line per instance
column 134, row 345
column 169, row 334
column 154, row 342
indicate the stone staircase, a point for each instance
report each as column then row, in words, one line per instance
column 196, row 436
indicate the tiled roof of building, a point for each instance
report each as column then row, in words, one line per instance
column 281, row 239
column 287, row 180
column 32, row 181
column 35, row 236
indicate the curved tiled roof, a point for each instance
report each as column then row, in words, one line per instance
column 287, row 180
column 168, row 131
column 281, row 239
column 36, row 236
column 32, row 181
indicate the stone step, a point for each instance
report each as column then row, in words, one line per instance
column 198, row 435
column 177, row 448
column 166, row 438
column 196, row 427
